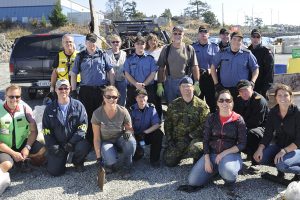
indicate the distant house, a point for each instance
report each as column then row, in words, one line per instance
column 23, row 11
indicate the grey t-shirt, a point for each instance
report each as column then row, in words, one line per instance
column 111, row 129
column 177, row 59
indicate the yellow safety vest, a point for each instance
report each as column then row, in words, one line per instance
column 62, row 68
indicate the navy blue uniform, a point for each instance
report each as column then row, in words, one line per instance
column 92, row 69
column 205, row 55
column 140, row 68
column 57, row 133
column 142, row 120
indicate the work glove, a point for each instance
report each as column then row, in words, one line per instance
column 69, row 147
column 219, row 87
column 160, row 90
column 100, row 162
column 126, row 135
column 74, row 94
column 197, row 88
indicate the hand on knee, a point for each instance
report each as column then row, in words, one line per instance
column 6, row 166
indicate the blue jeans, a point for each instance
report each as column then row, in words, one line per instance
column 122, row 88
column 110, row 154
column 228, row 169
column 290, row 163
column 171, row 89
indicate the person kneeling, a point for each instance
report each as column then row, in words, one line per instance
column 224, row 139
column 146, row 126
column 64, row 127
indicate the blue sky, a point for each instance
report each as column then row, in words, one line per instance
column 283, row 11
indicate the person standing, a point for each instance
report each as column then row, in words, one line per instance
column 234, row 64
column 153, row 48
column 265, row 60
column 64, row 61
column 176, row 61
column 146, row 126
column 205, row 50
column 224, row 36
column 183, row 125
column 64, row 128
column 140, row 69
column 113, row 131
column 92, row 64
column 117, row 58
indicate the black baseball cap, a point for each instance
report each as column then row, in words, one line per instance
column 236, row 34
column 202, row 29
column 224, row 31
column 91, row 37
column 255, row 31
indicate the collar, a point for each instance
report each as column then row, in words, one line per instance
column 145, row 54
column 136, row 106
column 17, row 109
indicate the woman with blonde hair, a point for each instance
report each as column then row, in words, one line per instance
column 280, row 144
column 112, row 130
column 117, row 58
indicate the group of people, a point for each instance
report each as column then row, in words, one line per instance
column 216, row 109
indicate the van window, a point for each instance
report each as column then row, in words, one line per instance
column 28, row 47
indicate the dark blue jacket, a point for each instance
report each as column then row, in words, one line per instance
column 58, row 133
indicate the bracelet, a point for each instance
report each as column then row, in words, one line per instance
column 285, row 150
column 27, row 146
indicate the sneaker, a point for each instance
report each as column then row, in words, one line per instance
column 79, row 168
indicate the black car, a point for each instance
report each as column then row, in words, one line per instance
column 32, row 57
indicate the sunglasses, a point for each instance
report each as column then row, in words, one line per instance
column 203, row 31
column 63, row 88
column 117, row 42
column 12, row 97
column 177, row 33
column 110, row 97
column 225, row 100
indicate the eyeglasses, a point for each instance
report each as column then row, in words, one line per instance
column 177, row 33
column 63, row 88
column 12, row 97
column 117, row 42
column 225, row 100
column 110, row 97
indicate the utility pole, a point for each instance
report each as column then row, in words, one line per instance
column 94, row 24
column 271, row 16
column 223, row 15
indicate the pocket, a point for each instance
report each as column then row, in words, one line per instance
column 21, row 122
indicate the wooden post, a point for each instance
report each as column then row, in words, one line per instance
column 94, row 24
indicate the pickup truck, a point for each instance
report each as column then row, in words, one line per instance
column 31, row 60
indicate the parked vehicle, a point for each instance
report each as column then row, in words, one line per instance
column 32, row 57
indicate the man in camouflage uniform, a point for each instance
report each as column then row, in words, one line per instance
column 184, row 125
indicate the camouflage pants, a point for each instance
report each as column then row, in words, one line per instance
column 173, row 154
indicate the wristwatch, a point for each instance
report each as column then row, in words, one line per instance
column 28, row 147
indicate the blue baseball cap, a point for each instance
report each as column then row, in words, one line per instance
column 186, row 80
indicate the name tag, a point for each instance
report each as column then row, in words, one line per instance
column 61, row 70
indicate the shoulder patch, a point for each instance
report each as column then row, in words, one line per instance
column 257, row 97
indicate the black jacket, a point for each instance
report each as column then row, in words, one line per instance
column 265, row 61
column 219, row 137
column 254, row 111
column 284, row 131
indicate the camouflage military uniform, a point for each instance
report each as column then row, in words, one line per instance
column 183, row 128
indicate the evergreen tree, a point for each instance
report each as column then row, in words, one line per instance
column 57, row 18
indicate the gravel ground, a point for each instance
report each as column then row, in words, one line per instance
column 145, row 183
